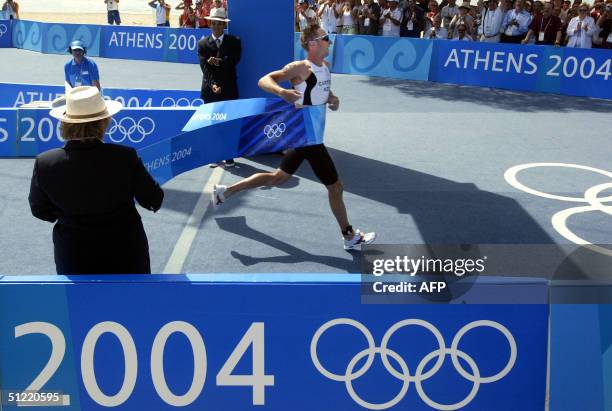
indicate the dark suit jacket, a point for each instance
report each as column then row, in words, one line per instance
column 88, row 189
column 223, row 76
column 417, row 26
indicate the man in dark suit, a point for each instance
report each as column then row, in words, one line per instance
column 219, row 55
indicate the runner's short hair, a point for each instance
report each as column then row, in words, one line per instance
column 308, row 34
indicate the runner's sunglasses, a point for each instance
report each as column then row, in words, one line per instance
column 324, row 38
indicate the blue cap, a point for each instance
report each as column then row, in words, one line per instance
column 76, row 44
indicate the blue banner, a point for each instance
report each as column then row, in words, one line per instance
column 28, row 35
column 35, row 131
column 230, row 129
column 54, row 38
column 570, row 71
column 14, row 95
column 152, row 43
column 215, row 131
column 297, row 342
column 581, row 356
column 6, row 34
column 8, row 132
column 403, row 58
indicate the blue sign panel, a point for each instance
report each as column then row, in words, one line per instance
column 403, row 58
column 59, row 36
column 6, row 34
column 38, row 132
column 581, row 357
column 266, row 34
column 14, row 95
column 571, row 71
column 8, row 132
column 154, row 98
column 263, row 342
column 28, row 35
column 138, row 43
column 578, row 72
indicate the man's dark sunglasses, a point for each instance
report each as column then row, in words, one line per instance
column 324, row 38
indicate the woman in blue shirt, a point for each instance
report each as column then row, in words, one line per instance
column 80, row 71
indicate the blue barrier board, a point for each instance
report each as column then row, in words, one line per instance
column 8, row 132
column 16, row 94
column 6, row 34
column 569, row 71
column 36, row 131
column 581, row 357
column 269, row 342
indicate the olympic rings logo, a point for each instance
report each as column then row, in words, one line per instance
column 3, row 29
column 274, row 130
column 127, row 127
column 181, row 102
column 559, row 220
column 419, row 375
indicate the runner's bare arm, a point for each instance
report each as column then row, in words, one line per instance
column 292, row 72
column 333, row 102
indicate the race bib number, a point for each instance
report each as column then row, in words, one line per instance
column 541, row 36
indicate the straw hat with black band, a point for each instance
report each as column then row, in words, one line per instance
column 82, row 105
column 217, row 14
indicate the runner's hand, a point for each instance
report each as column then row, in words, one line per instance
column 216, row 89
column 333, row 103
column 290, row 95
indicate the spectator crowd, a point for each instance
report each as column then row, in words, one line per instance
column 193, row 15
column 554, row 22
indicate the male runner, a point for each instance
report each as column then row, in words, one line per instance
column 310, row 79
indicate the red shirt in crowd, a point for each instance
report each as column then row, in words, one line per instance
column 188, row 18
column 548, row 25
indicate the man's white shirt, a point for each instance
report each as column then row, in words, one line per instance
column 441, row 33
column 491, row 21
column 390, row 29
column 303, row 21
column 112, row 5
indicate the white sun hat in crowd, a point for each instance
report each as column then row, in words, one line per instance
column 82, row 105
column 218, row 14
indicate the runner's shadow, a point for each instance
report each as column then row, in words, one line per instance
column 239, row 226
column 444, row 211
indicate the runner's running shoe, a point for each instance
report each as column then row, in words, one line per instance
column 358, row 239
column 217, row 196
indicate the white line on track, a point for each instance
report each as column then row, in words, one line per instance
column 183, row 245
